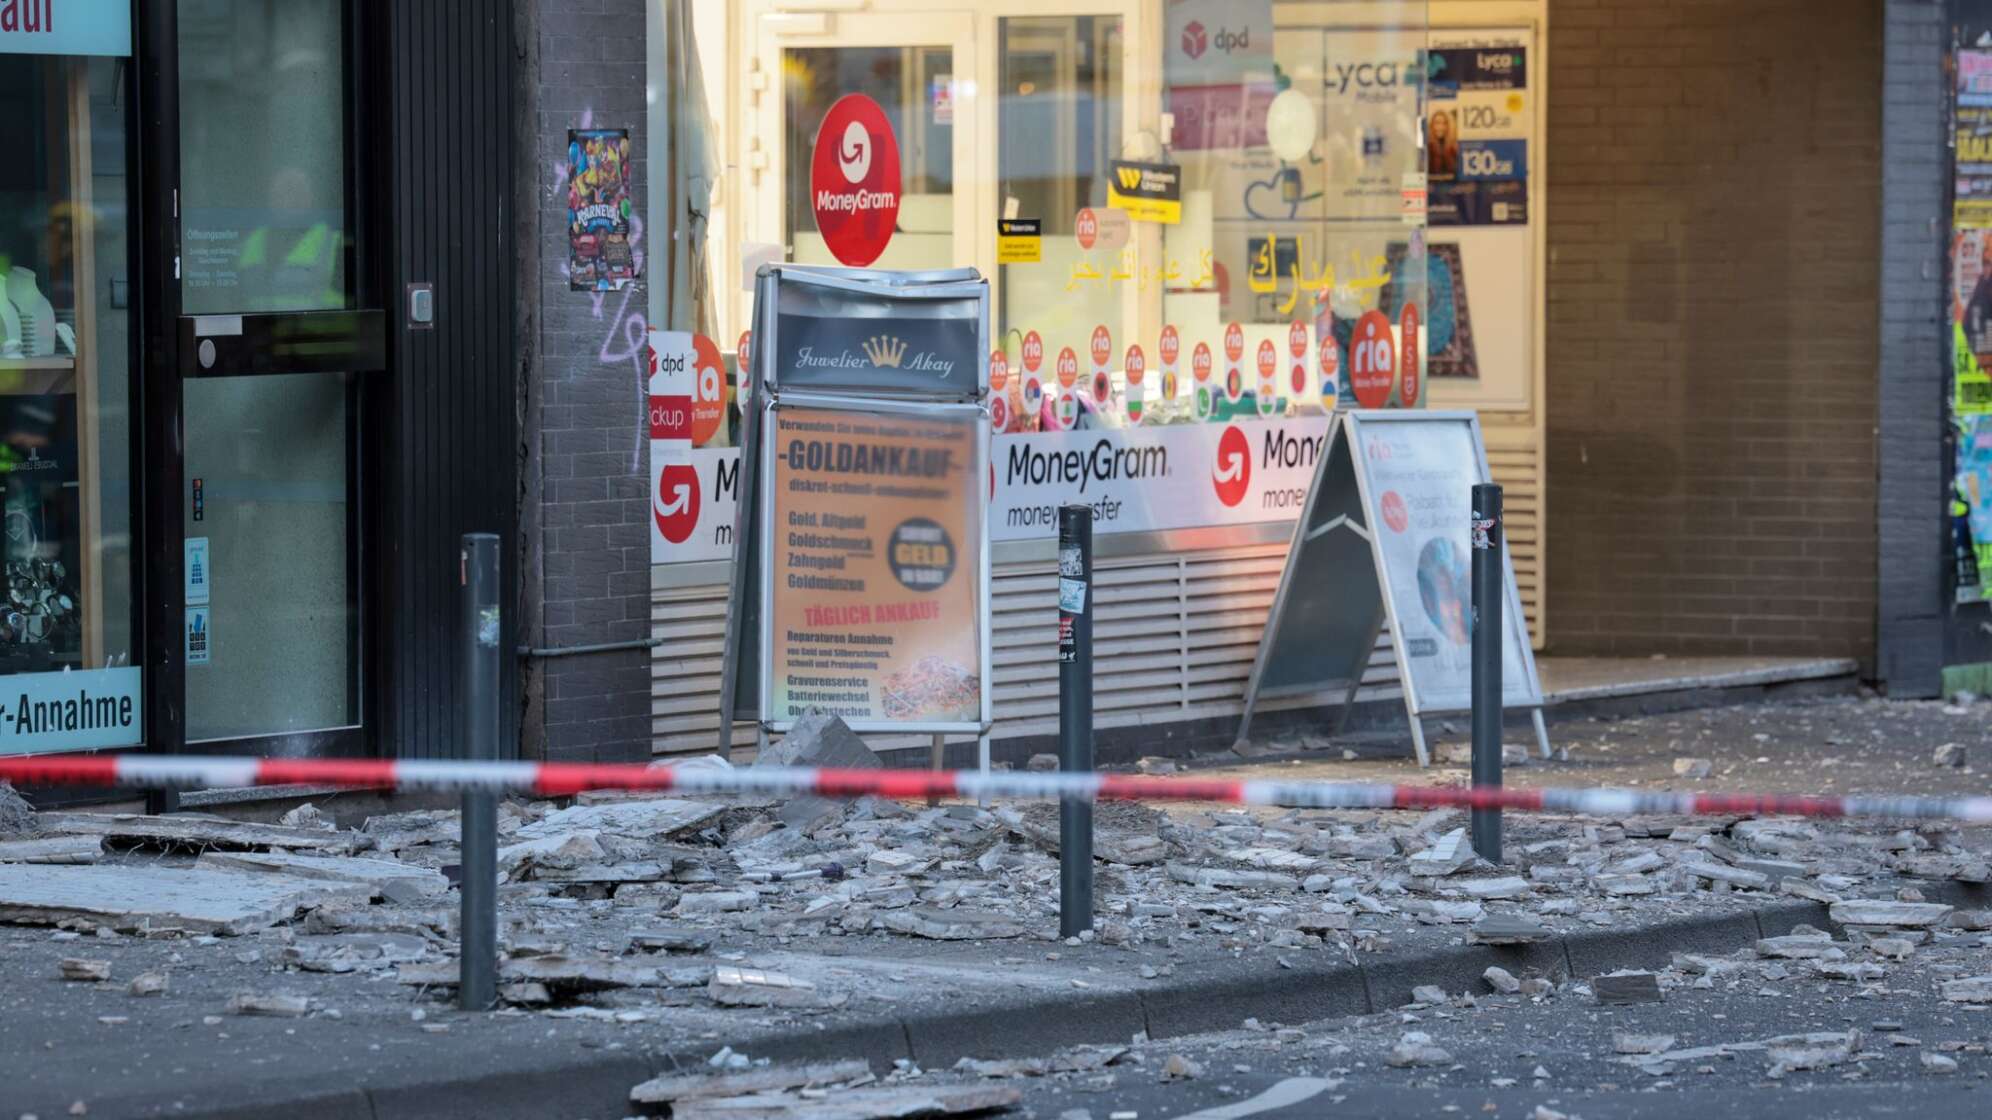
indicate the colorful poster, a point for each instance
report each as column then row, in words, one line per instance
column 876, row 564
column 1478, row 125
column 600, row 253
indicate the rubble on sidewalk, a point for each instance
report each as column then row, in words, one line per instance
column 194, row 832
column 673, row 1089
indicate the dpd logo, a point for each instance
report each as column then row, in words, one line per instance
column 676, row 503
column 1195, row 42
column 1231, row 473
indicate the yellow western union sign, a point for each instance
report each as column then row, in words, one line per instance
column 1019, row 240
column 1148, row 192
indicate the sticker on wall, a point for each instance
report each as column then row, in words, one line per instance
column 1267, row 360
column 1019, row 240
column 854, row 180
column 1136, row 366
column 1103, row 389
column 999, row 413
column 1068, row 368
column 743, row 369
column 200, row 636
column 1200, row 366
column 1170, row 349
column 708, row 390
column 1101, row 228
column 199, row 572
column 1101, row 348
column 1146, row 192
column 599, row 210
column 1372, row 360
column 1033, row 349
column 673, row 357
column 1066, row 412
column 1409, row 347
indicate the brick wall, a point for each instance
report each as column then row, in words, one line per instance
column 1713, row 199
column 586, row 533
column 1913, row 516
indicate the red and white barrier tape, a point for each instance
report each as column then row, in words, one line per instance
column 555, row 778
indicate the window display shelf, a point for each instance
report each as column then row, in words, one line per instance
column 62, row 362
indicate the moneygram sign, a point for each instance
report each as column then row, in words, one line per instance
column 1137, row 480
column 854, row 182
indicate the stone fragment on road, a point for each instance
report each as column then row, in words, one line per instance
column 1221, row 877
column 869, row 1103
column 1625, row 885
column 1792, row 1056
column 1505, row 887
column 1625, row 1042
column 1626, row 987
column 1949, row 756
column 952, row 925
column 78, row 968
column 670, row 1088
column 1971, row 989
column 1428, row 993
column 1448, row 854
column 1415, row 1048
column 53, row 849
column 193, row 831
column 1501, row 980
column 277, row 1006
column 1884, row 912
column 1179, row 1068
column 1693, row 768
column 1734, row 876
column 716, row 902
column 754, row 987
column 129, row 898
column 1506, row 929
column 1800, row 946
column 148, row 984
column 1939, row 1063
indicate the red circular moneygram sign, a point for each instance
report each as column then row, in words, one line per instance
column 1411, row 346
column 999, row 370
column 1068, row 367
column 1297, row 340
column 1372, row 360
column 1102, row 346
column 1200, row 362
column 676, row 503
column 1234, row 343
column 1231, row 469
column 1033, row 352
column 1268, row 359
column 854, row 180
column 1171, row 347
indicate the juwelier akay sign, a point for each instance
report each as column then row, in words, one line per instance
column 1181, row 476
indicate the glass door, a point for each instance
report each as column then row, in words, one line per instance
column 917, row 68
column 274, row 337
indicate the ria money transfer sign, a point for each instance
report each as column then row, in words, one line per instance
column 874, row 564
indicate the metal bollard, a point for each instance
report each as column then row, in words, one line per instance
column 1075, row 715
column 477, row 979
column 1487, row 592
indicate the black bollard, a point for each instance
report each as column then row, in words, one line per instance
column 1487, row 591
column 477, row 979
column 1075, row 715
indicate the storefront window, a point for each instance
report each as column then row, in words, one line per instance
column 67, row 629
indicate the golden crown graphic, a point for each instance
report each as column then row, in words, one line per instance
column 1130, row 177
column 884, row 351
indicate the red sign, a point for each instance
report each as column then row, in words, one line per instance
column 1172, row 345
column 1135, row 364
column 1234, row 384
column 1234, row 343
column 999, row 413
column 1068, row 367
column 1102, row 388
column 1298, row 377
column 1086, row 228
column 999, row 370
column 1395, row 514
column 708, row 391
column 1331, row 360
column 1411, row 348
column 854, row 180
column 1231, row 471
column 1297, row 340
column 1200, row 362
column 1372, row 360
column 1269, row 358
column 676, row 503
column 670, row 413
column 1102, row 347
column 1033, row 393
column 1033, row 352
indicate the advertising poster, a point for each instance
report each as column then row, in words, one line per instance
column 875, row 567
column 1421, row 476
column 1218, row 63
column 600, row 256
column 1971, row 332
column 1477, row 130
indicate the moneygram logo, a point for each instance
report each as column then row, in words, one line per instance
column 854, row 155
column 1104, row 462
column 1231, row 471
column 676, row 503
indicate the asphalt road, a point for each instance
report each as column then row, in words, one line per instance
column 1510, row 1055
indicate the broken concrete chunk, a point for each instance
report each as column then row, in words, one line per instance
column 1859, row 971
column 567, row 849
column 650, row 819
column 1949, row 756
column 1627, row 1043
column 1506, row 929
column 17, row 817
column 1693, row 768
column 870, row 1103
column 716, row 902
column 1788, row 1058
column 1416, row 1048
column 1881, row 912
column 194, row 899
column 344, row 869
column 1501, row 980
column 77, row 968
column 1624, row 885
column 1509, row 886
column 1721, row 873
column 199, row 832
column 754, row 987
column 671, row 1088
column 1428, row 993
column 673, row 939
column 1971, row 989
column 952, row 925
column 1971, row 919
column 1179, row 1068
column 1939, row 1063
column 272, row 1005
column 53, row 849
column 1626, row 987
column 308, row 815
column 1042, row 763
column 1221, row 877
column 148, row 984
column 1449, row 854
column 1798, row 946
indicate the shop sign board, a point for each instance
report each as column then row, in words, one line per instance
column 860, row 546
column 76, row 27
column 1384, row 540
column 1019, row 240
column 854, row 180
column 75, row 709
column 1146, row 192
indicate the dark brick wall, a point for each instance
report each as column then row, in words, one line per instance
column 1714, row 203
column 587, row 543
column 1913, row 517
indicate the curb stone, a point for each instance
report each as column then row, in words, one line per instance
column 595, row 1084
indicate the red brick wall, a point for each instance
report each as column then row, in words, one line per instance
column 1714, row 203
